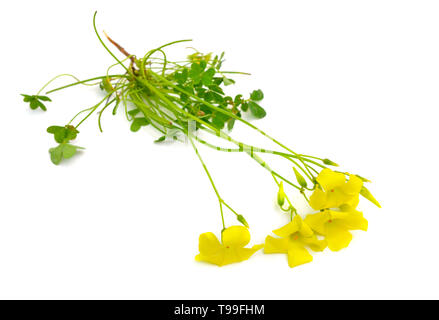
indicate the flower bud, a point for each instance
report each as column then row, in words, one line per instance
column 281, row 195
column 329, row 162
column 242, row 220
column 300, row 179
column 366, row 193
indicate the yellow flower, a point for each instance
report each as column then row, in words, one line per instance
column 335, row 225
column 231, row 250
column 295, row 236
column 336, row 190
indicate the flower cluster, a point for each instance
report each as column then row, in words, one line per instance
column 335, row 198
column 188, row 98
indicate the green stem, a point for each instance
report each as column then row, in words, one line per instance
column 210, row 179
column 83, row 82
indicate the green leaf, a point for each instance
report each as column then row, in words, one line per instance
column 56, row 154
column 44, row 98
column 230, row 124
column 207, row 77
column 35, row 101
column 63, row 134
column 238, row 100
column 138, row 123
column 195, row 72
column 71, row 133
column 256, row 110
column 161, row 139
column 218, row 80
column 203, row 65
column 257, row 95
column 244, row 106
column 216, row 88
column 219, row 119
column 68, row 151
column 27, row 98
column 228, row 82
column 133, row 112
column 62, row 151
column 300, row 179
column 182, row 76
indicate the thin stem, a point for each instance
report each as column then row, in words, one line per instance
column 103, row 44
column 54, row 78
column 210, row 179
column 83, row 82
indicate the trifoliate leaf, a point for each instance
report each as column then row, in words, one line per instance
column 62, row 151
column 257, row 95
column 256, row 110
column 300, row 179
column 35, row 101
column 63, row 134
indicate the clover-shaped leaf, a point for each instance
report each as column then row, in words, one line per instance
column 63, row 151
column 35, row 101
column 63, row 134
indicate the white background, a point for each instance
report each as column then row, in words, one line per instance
column 355, row 81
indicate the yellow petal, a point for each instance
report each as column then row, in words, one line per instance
column 297, row 255
column 329, row 179
column 289, row 228
column 245, row 253
column 314, row 243
column 351, row 220
column 305, row 230
column 317, row 201
column 353, row 186
column 337, row 236
column 236, row 254
column 208, row 244
column 217, row 258
column 353, row 202
column 276, row 245
column 235, row 236
column 317, row 221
